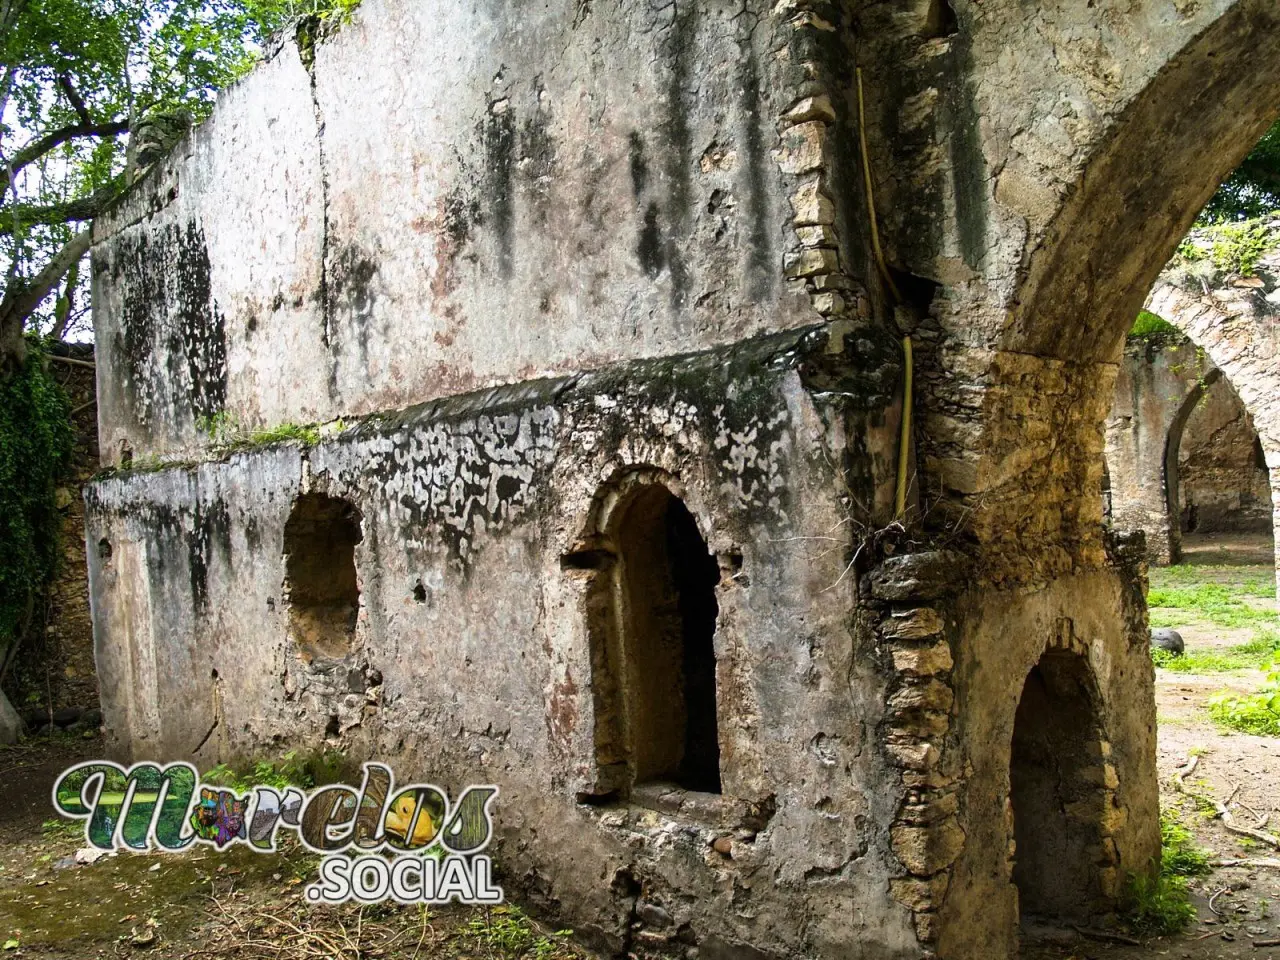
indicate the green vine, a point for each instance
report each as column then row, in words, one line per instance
column 35, row 449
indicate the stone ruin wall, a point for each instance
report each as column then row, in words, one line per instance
column 1159, row 386
column 1224, row 484
column 427, row 281
column 564, row 189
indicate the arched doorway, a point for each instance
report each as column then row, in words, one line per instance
column 1217, row 481
column 652, row 621
column 1172, row 446
column 1059, row 791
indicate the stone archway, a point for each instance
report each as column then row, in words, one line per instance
column 1040, row 191
column 1058, row 791
column 1237, row 323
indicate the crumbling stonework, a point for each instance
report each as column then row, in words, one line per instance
column 52, row 672
column 542, row 273
column 1236, row 320
column 1223, row 482
column 1160, row 385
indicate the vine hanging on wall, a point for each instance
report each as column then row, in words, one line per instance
column 35, row 449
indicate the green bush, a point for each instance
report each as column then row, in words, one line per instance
column 1257, row 713
column 281, row 774
column 35, row 449
column 1231, row 247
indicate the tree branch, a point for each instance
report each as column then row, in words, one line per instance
column 71, row 211
column 76, row 101
column 55, row 138
column 23, row 296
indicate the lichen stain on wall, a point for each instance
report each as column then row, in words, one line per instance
column 170, row 349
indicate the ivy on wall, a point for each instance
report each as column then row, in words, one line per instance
column 35, row 449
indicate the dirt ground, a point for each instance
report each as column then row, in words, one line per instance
column 1228, row 549
column 244, row 905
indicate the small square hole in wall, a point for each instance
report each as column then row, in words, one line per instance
column 321, row 585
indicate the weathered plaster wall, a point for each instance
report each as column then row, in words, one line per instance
column 1224, row 484
column 471, row 661
column 439, row 198
column 1011, row 152
column 1160, row 384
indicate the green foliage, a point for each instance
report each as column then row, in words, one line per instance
column 96, row 91
column 1233, row 248
column 273, row 15
column 1179, row 855
column 1148, row 325
column 507, row 932
column 1253, row 655
column 1219, row 604
column 35, row 448
column 1257, row 713
column 288, row 771
column 1157, row 904
column 1253, row 190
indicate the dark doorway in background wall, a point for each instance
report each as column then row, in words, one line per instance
column 1058, row 790
column 323, row 594
column 667, row 617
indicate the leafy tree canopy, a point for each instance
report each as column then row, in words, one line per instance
column 91, row 91
column 1253, row 190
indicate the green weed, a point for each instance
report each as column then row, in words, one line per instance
column 1150, row 325
column 506, row 931
column 1216, row 603
column 1157, row 904
column 1179, row 855
column 281, row 774
column 1257, row 713
column 59, row 828
column 1231, row 247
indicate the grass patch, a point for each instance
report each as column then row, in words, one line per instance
column 1251, row 579
column 1256, row 713
column 1253, row 655
column 505, row 931
column 1219, row 604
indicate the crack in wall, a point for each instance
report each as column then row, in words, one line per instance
column 306, row 38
